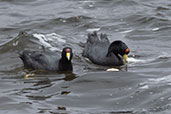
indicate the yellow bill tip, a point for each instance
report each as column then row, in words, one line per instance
column 125, row 58
column 68, row 55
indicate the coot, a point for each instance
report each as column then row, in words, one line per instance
column 100, row 51
column 48, row 61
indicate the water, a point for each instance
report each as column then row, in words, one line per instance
column 140, row 87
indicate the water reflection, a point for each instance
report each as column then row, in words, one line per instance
column 69, row 76
column 48, row 86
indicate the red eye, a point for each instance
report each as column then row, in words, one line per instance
column 127, row 50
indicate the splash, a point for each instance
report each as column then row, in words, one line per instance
column 133, row 60
column 50, row 41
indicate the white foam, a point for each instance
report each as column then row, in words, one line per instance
column 164, row 79
column 49, row 40
column 127, row 31
column 155, row 29
column 133, row 60
column 144, row 87
column 54, row 36
column 87, row 1
column 15, row 43
column 93, row 29
column 164, row 55
column 42, row 39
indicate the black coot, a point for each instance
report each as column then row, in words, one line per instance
column 100, row 51
column 49, row 61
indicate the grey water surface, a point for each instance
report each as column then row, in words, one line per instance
column 143, row 86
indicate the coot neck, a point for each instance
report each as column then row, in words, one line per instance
column 65, row 65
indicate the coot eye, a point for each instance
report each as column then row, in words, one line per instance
column 68, row 50
column 127, row 51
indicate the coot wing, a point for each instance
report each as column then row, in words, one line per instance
column 40, row 60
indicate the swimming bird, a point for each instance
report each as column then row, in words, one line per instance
column 101, row 52
column 48, row 61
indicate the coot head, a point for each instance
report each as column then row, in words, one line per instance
column 119, row 48
column 67, row 54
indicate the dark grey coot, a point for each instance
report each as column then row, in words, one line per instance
column 48, row 61
column 100, row 51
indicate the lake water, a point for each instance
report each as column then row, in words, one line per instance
column 143, row 86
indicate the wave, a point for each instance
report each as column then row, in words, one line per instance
column 24, row 40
